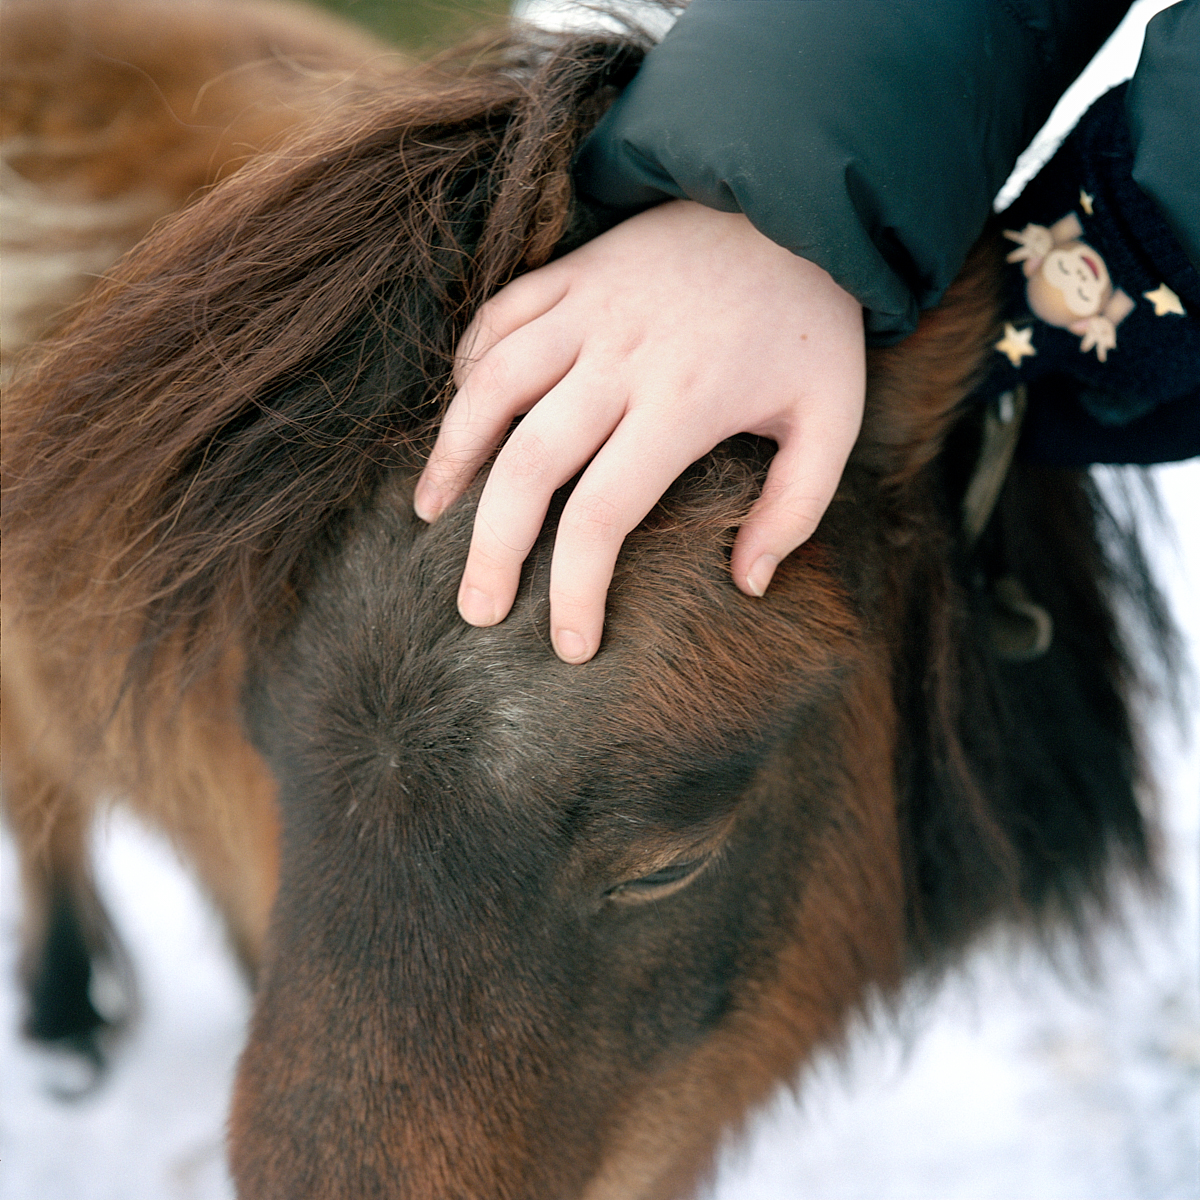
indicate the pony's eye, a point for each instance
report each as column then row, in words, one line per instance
column 658, row 884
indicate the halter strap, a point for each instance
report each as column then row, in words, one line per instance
column 1001, row 430
column 1020, row 630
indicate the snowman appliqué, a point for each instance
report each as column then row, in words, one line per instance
column 1068, row 285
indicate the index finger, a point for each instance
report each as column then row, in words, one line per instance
column 514, row 305
column 508, row 381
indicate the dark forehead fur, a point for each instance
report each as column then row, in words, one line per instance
column 694, row 685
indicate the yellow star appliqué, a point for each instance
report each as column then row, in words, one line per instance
column 1016, row 344
column 1165, row 301
column 1085, row 202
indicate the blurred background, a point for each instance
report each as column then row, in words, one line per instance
column 421, row 25
column 1016, row 1079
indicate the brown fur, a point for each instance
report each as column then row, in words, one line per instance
column 116, row 113
column 481, row 978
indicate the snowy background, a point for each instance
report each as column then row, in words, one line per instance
column 1014, row 1080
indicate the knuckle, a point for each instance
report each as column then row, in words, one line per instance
column 628, row 342
column 802, row 515
column 477, row 346
column 526, row 459
column 577, row 600
column 572, row 611
column 490, row 375
column 457, row 458
column 792, row 516
column 494, row 550
column 593, row 518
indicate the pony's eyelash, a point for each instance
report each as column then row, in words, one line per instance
column 658, row 884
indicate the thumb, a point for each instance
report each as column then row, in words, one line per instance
column 800, row 484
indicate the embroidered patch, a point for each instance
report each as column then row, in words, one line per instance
column 1101, row 310
column 1165, row 302
column 1069, row 285
column 1016, row 344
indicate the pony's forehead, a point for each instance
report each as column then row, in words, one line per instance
column 667, row 719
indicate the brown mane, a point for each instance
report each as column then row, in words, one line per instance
column 366, row 243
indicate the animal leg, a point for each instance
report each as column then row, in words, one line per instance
column 76, row 977
column 206, row 788
column 234, row 856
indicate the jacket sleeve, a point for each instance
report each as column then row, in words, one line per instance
column 1163, row 110
column 869, row 138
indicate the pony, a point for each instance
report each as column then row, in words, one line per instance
column 518, row 928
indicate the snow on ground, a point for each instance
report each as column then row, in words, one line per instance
column 1012, row 1081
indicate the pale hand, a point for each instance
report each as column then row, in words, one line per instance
column 634, row 356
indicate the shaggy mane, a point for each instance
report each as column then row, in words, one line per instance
column 371, row 242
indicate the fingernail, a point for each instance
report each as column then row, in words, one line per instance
column 759, row 575
column 570, row 646
column 427, row 502
column 476, row 607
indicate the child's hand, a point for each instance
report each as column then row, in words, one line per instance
column 634, row 356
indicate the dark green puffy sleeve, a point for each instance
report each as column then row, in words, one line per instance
column 1163, row 109
column 865, row 135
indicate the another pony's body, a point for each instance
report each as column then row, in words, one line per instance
column 534, row 930
column 116, row 115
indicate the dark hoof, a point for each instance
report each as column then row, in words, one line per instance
column 80, row 998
